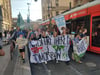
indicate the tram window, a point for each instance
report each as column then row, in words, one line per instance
column 68, row 26
column 80, row 23
column 96, row 31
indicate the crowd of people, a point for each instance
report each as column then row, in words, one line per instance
column 21, row 37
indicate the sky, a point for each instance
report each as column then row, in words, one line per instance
column 22, row 7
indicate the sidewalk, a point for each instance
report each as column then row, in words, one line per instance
column 4, row 60
column 22, row 68
column 14, row 67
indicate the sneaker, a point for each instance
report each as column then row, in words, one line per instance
column 68, row 63
column 80, row 62
column 45, row 62
column 56, row 61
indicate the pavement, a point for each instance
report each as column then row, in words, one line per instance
column 15, row 66
column 22, row 68
column 4, row 60
column 90, row 66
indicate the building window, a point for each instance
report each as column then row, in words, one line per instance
column 57, row 13
column 79, row 2
column 57, row 2
column 91, row 0
column 44, row 18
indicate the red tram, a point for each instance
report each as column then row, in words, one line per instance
column 87, row 16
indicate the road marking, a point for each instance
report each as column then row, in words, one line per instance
column 25, row 67
column 46, row 68
column 78, row 73
column 91, row 64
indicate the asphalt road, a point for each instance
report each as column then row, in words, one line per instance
column 90, row 66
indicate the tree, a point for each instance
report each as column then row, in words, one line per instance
column 20, row 20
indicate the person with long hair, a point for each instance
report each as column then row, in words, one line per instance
column 55, row 34
column 77, row 39
column 66, row 43
column 21, row 42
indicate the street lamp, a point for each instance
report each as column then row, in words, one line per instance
column 28, row 15
column 28, row 9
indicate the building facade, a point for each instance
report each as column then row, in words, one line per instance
column 6, row 22
column 80, row 2
column 14, row 22
column 51, row 8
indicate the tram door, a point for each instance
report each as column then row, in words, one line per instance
column 95, row 33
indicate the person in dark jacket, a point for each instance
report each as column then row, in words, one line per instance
column 2, row 53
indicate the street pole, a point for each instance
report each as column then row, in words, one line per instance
column 70, row 5
column 28, row 8
column 28, row 15
column 1, row 17
column 49, row 16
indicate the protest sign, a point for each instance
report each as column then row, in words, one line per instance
column 80, row 47
column 60, row 22
column 46, row 49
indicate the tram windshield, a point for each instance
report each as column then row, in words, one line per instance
column 96, row 31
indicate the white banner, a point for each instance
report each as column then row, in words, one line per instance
column 80, row 47
column 49, row 48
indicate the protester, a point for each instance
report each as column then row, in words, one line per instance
column 21, row 42
column 44, row 36
column 38, row 33
column 77, row 29
column 48, row 33
column 30, row 34
column 25, row 31
column 14, row 35
column 47, row 48
column 11, row 31
column 77, row 40
column 96, row 37
column 55, row 34
column 8, row 37
column 83, row 34
column 66, row 44
column 2, row 53
column 5, row 32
